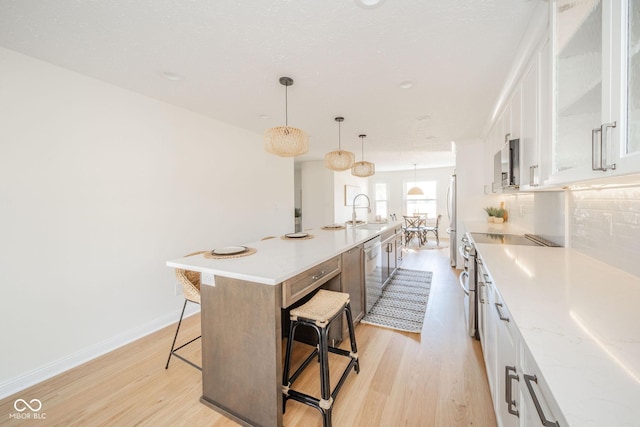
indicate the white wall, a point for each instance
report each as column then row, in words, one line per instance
column 100, row 186
column 322, row 194
column 317, row 195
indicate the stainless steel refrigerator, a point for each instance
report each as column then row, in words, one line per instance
column 451, row 212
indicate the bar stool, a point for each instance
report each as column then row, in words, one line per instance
column 190, row 281
column 318, row 313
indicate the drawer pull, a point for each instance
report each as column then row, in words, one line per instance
column 508, row 391
column 545, row 422
column 317, row 276
column 498, row 305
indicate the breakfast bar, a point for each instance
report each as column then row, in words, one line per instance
column 242, row 299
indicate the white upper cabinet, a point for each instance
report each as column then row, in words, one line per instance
column 629, row 160
column 529, row 133
column 591, row 63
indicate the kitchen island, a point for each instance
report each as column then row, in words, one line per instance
column 242, row 300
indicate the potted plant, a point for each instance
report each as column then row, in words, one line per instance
column 491, row 212
column 499, row 216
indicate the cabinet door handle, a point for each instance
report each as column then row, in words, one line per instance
column 599, row 147
column 532, row 175
column 480, row 293
column 545, row 422
column 498, row 305
column 508, row 390
column 605, row 145
column 596, row 150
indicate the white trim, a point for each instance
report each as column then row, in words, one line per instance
column 23, row 381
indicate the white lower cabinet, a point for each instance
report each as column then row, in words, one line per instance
column 521, row 397
column 538, row 405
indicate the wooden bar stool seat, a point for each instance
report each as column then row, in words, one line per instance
column 318, row 313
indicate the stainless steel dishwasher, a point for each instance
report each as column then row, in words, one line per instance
column 372, row 272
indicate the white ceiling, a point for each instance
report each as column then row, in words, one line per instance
column 345, row 60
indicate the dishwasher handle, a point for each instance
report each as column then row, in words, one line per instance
column 461, row 280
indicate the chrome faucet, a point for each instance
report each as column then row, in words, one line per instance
column 368, row 207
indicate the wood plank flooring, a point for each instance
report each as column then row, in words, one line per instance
column 435, row 378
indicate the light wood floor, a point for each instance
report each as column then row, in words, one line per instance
column 435, row 378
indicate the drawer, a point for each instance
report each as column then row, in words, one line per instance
column 298, row 286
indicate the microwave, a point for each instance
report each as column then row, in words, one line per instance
column 506, row 166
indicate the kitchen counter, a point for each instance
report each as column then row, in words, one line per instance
column 580, row 319
column 277, row 260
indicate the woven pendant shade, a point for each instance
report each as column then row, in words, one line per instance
column 363, row 169
column 339, row 160
column 286, row 141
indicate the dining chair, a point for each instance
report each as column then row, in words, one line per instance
column 413, row 228
column 434, row 230
column 190, row 281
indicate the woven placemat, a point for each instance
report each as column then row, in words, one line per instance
column 211, row 255
column 310, row 236
column 333, row 227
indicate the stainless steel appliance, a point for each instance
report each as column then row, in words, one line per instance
column 453, row 217
column 372, row 272
column 467, row 281
column 506, row 166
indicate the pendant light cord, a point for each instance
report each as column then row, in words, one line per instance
column 286, row 106
column 339, row 144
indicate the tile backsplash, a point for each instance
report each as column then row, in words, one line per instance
column 605, row 224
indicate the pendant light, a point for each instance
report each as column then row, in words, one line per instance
column 363, row 169
column 286, row 141
column 415, row 190
column 339, row 160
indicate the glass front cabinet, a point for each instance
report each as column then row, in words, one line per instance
column 596, row 111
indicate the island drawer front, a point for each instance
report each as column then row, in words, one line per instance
column 298, row 286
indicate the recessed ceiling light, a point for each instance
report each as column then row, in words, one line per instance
column 406, row 84
column 171, row 76
column 369, row 4
column 423, row 117
column 264, row 116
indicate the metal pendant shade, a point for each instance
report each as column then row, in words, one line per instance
column 339, row 160
column 415, row 190
column 363, row 169
column 286, row 141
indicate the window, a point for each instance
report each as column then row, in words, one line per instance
column 425, row 203
column 381, row 199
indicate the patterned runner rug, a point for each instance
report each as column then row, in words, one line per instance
column 403, row 303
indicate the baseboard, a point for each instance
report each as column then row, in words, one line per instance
column 21, row 382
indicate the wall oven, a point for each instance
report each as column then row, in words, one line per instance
column 468, row 280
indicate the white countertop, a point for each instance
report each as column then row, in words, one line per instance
column 580, row 319
column 277, row 260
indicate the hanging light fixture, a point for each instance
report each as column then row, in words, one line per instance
column 363, row 169
column 339, row 160
column 286, row 141
column 415, row 190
